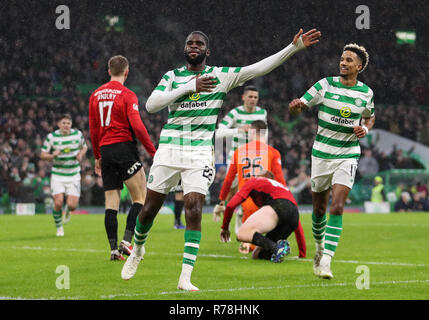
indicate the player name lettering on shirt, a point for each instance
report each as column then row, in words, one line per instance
column 106, row 96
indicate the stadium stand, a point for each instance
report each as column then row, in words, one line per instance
column 44, row 71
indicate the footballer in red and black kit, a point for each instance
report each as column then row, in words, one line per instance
column 267, row 192
column 115, row 122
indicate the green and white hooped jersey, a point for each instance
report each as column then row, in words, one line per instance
column 65, row 167
column 192, row 118
column 340, row 109
column 239, row 116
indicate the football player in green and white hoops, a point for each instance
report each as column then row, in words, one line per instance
column 346, row 114
column 194, row 95
column 65, row 147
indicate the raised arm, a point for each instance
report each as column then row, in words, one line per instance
column 300, row 42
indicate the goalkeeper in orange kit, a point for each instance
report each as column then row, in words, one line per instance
column 251, row 160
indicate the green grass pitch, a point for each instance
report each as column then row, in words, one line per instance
column 394, row 250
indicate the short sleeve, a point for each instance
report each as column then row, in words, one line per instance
column 369, row 109
column 47, row 144
column 314, row 95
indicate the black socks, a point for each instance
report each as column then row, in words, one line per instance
column 262, row 241
column 111, row 225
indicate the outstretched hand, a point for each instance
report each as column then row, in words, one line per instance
column 296, row 106
column 309, row 38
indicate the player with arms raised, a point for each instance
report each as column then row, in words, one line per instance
column 114, row 122
column 194, row 95
column 346, row 114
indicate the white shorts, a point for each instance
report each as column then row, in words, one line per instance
column 327, row 172
column 196, row 171
column 70, row 188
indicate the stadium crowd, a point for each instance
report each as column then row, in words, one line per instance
column 43, row 74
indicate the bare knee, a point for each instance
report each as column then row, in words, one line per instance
column 72, row 205
column 320, row 203
column 337, row 208
column 193, row 210
column 58, row 203
column 193, row 215
column 148, row 213
column 245, row 234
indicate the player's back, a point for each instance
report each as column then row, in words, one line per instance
column 262, row 189
column 109, row 104
column 253, row 158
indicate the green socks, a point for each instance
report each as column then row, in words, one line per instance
column 140, row 235
column 58, row 218
column 332, row 234
column 192, row 244
column 318, row 228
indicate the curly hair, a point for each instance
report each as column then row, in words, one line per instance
column 360, row 51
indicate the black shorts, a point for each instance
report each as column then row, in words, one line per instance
column 288, row 222
column 119, row 162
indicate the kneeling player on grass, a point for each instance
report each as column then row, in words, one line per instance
column 277, row 216
column 250, row 160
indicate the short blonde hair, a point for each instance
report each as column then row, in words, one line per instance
column 360, row 51
column 117, row 65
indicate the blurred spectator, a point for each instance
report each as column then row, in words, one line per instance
column 88, row 182
column 377, row 193
column 367, row 163
column 420, row 202
column 217, row 184
column 421, row 187
column 97, row 192
column 405, row 202
column 14, row 181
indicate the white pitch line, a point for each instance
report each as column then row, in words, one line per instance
column 53, row 249
column 50, row 298
column 163, row 293
column 342, row 284
column 396, row 264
